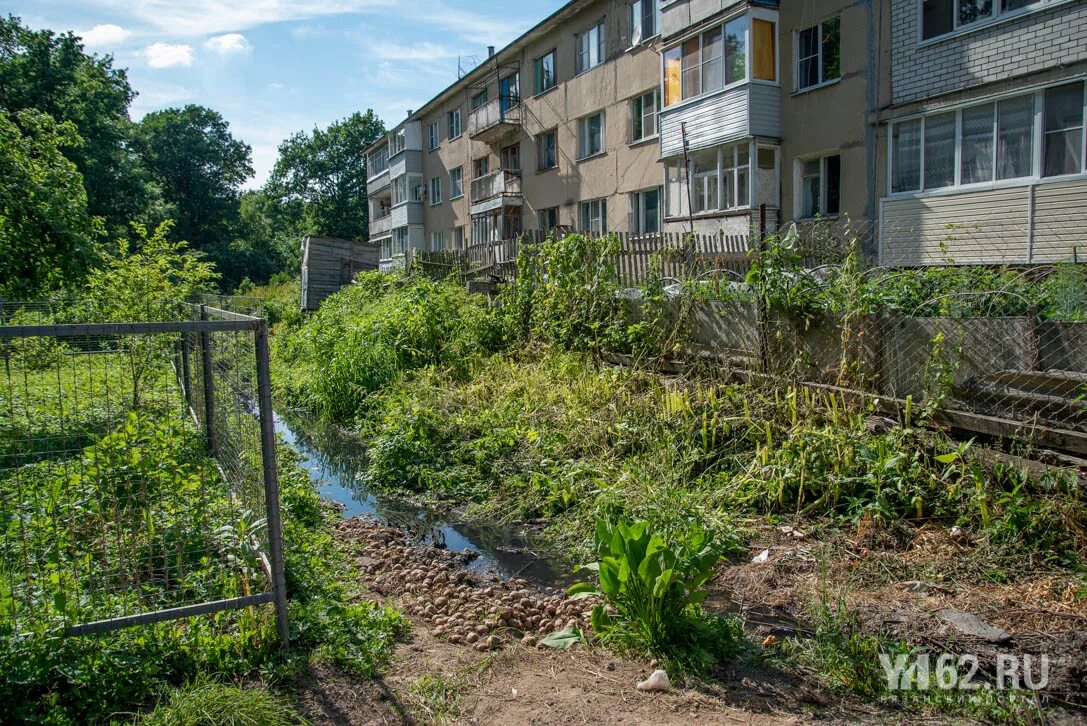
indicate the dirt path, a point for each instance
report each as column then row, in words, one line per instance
column 444, row 675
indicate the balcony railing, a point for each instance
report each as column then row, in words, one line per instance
column 381, row 225
column 495, row 117
column 496, row 184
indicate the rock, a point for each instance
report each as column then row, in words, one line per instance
column 658, row 681
column 471, row 638
column 971, row 624
column 528, row 641
column 761, row 557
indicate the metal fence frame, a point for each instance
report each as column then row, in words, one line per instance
column 211, row 320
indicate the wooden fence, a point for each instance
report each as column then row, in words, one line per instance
column 672, row 255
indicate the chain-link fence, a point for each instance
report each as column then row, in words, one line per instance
column 138, row 478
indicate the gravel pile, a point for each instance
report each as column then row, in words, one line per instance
column 464, row 607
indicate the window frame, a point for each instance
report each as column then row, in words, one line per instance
column 552, row 132
column 997, row 15
column 640, row 16
column 549, row 211
column 601, row 50
column 601, row 205
column 479, row 100
column 637, row 111
column 456, row 172
column 449, row 117
column 823, row 175
column 538, row 87
column 583, row 138
column 433, row 136
column 434, row 191
column 820, row 63
column 1036, row 174
column 638, row 209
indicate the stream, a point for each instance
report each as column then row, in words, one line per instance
column 335, row 462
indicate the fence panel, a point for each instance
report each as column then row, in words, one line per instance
column 136, row 484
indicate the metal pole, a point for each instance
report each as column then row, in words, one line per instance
column 209, row 385
column 271, row 481
column 186, row 370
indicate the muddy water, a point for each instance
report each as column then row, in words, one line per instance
column 336, row 461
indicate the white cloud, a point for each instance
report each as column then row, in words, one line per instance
column 104, row 36
column 229, row 44
column 417, row 52
column 168, row 55
column 276, row 86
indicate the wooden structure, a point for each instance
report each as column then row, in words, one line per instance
column 329, row 263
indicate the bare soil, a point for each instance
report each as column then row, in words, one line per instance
column 894, row 581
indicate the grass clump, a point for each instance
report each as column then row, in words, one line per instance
column 205, row 702
column 373, row 332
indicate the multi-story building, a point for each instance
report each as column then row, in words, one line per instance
column 985, row 132
column 559, row 128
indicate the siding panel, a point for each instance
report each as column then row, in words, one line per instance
column 710, row 122
column 1060, row 218
column 765, row 110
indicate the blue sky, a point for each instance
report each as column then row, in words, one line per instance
column 273, row 67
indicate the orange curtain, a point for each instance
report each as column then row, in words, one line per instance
column 763, row 51
column 672, row 70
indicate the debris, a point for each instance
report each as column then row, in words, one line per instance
column 770, row 641
column 971, row 624
column 914, row 586
column 960, row 536
column 658, row 681
column 793, row 532
column 763, row 556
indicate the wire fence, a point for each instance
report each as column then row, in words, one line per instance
column 138, row 480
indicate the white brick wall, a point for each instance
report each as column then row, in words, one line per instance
column 1032, row 43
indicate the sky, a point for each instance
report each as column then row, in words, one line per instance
column 274, row 67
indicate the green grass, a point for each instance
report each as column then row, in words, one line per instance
column 207, row 703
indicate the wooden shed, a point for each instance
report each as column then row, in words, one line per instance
column 329, row 263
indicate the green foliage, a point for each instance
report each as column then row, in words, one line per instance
column 376, row 330
column 281, row 298
column 50, row 73
column 48, row 237
column 200, row 168
column 321, row 177
column 204, row 702
column 652, row 592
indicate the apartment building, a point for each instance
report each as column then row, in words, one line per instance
column 985, row 142
column 558, row 129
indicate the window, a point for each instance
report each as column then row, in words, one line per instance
column 458, row 238
column 407, row 188
column 705, row 182
column 708, row 62
column 456, row 182
column 436, row 241
column 547, row 219
column 644, row 20
column 643, row 112
column 453, row 123
column 590, row 135
column 543, row 72
column 818, row 54
column 378, row 161
column 509, row 92
column 763, row 50
column 939, row 17
column 481, row 167
column 547, row 150
column 1064, row 130
column 397, row 142
column 594, row 216
column 435, row 191
column 645, row 212
column 511, row 157
column 720, row 179
column 820, row 186
column 590, row 48
column 400, row 240
column 479, row 99
column 432, row 136
column 987, row 142
column 418, row 191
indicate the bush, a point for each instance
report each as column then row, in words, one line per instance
column 373, row 332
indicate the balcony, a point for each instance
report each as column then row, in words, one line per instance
column 495, row 190
column 381, row 226
column 495, row 119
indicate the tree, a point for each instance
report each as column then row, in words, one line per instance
column 322, row 176
column 50, row 73
column 200, row 168
column 47, row 236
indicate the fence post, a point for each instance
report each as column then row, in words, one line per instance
column 1033, row 319
column 209, row 386
column 271, row 480
column 186, row 370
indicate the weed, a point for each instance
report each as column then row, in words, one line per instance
column 204, row 702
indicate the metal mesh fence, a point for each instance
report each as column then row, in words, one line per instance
column 122, row 500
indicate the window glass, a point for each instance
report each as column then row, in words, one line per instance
column 546, row 151
column 832, row 168
column 906, row 164
column 591, row 136
column 940, row 151
column 977, row 144
column 1064, row 130
column 764, row 50
column 971, row 11
column 807, row 54
column 456, row 183
column 713, row 70
column 810, row 188
column 692, row 68
column 644, row 116
column 736, row 50
column 831, row 49
column 590, row 48
column 672, row 70
column 1015, row 137
column 545, row 72
column 705, row 185
column 594, row 217
column 454, row 123
column 479, row 99
column 1016, row 4
column 937, row 17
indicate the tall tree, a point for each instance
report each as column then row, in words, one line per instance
column 323, row 176
column 46, row 234
column 51, row 73
column 200, row 168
